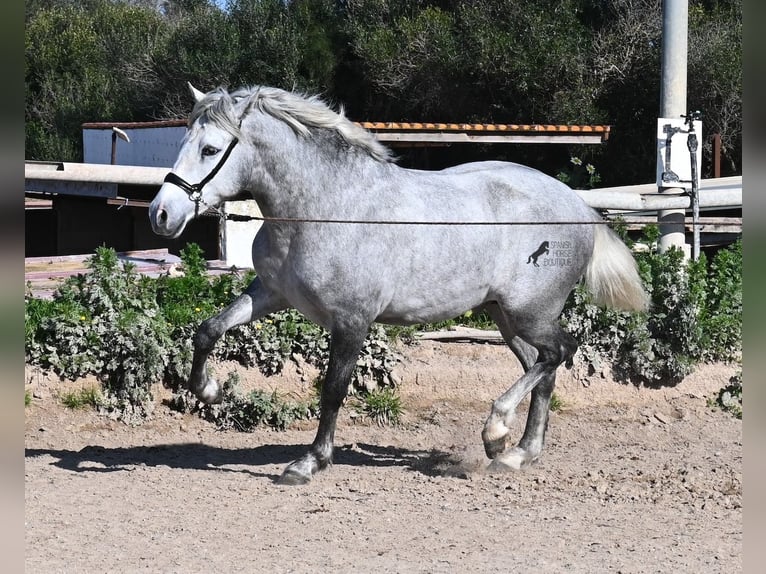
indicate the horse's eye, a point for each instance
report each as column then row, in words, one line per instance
column 209, row 150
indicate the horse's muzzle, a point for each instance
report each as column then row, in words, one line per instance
column 162, row 222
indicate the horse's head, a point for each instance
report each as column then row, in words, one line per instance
column 208, row 169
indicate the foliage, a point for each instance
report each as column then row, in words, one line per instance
column 573, row 61
column 722, row 314
column 690, row 320
column 376, row 362
column 729, row 398
column 480, row 320
column 407, row 56
column 105, row 323
column 557, row 404
column 245, row 412
column 78, row 55
column 81, row 398
column 382, row 406
column 579, row 176
column 134, row 331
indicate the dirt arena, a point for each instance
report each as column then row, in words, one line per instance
column 632, row 481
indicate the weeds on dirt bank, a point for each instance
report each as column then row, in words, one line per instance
column 81, row 398
column 133, row 331
column 696, row 316
column 729, row 398
column 245, row 412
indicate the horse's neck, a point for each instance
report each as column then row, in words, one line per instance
column 314, row 184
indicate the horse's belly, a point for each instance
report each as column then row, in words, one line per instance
column 431, row 307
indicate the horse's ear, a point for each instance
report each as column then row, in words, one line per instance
column 196, row 94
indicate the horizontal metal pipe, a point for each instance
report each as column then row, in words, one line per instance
column 721, row 192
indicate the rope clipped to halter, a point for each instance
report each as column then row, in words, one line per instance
column 194, row 190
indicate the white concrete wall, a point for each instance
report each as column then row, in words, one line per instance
column 238, row 235
column 158, row 147
column 152, row 147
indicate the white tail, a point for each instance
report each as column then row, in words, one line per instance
column 612, row 274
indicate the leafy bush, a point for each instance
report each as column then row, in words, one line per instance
column 729, row 398
column 722, row 314
column 105, row 322
column 696, row 315
column 133, row 331
column 246, row 412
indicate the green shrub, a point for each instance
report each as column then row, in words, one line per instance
column 133, row 331
column 81, row 398
column 245, row 412
column 382, row 406
column 480, row 320
column 729, row 398
column 105, row 322
column 722, row 315
column 557, row 404
column 696, row 315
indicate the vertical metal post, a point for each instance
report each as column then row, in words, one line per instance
column 692, row 144
column 716, row 155
column 675, row 27
column 117, row 132
column 114, row 148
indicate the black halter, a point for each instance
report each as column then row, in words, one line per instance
column 194, row 190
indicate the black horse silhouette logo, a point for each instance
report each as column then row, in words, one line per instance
column 542, row 250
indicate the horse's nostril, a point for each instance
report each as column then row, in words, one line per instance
column 162, row 216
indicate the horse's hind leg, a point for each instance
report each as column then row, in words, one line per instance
column 254, row 303
column 345, row 346
column 541, row 349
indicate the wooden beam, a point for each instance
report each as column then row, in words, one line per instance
column 458, row 137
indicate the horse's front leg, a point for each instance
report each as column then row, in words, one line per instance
column 345, row 346
column 254, row 303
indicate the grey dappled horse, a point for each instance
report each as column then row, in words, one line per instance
column 302, row 161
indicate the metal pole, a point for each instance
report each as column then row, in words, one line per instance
column 675, row 26
column 716, row 155
column 695, row 198
column 117, row 132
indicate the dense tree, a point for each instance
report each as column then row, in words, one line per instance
column 198, row 45
column 78, row 59
column 715, row 75
column 568, row 61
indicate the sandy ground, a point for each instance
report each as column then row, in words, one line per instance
column 632, row 480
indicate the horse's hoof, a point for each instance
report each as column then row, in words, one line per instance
column 211, row 393
column 293, row 477
column 514, row 459
column 494, row 447
column 494, row 436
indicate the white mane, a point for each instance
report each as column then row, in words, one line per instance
column 299, row 111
